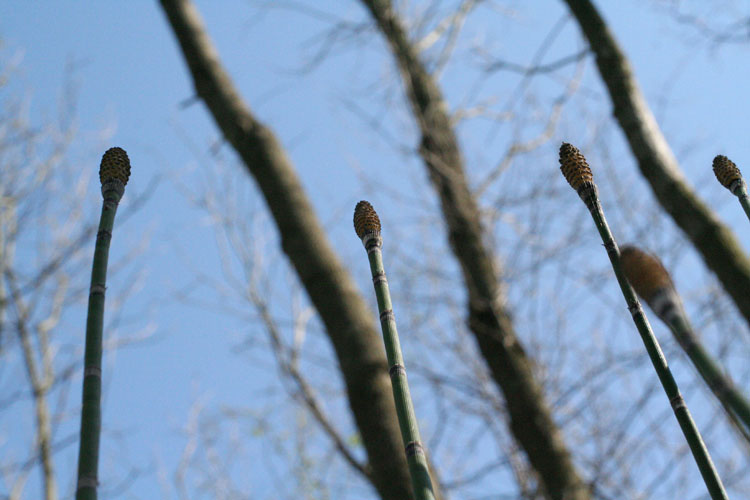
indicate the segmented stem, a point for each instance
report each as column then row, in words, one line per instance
column 733, row 401
column 588, row 193
column 653, row 284
column 114, row 172
column 367, row 226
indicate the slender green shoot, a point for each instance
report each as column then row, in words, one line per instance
column 113, row 174
column 653, row 284
column 731, row 178
column 578, row 174
column 367, row 226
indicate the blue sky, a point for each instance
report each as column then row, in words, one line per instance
column 131, row 85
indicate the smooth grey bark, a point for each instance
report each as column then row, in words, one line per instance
column 531, row 421
column 714, row 240
column 349, row 322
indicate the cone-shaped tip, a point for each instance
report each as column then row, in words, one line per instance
column 574, row 167
column 726, row 171
column 644, row 271
column 365, row 219
column 115, row 165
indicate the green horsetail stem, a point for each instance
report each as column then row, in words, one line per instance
column 367, row 226
column 653, row 284
column 578, row 174
column 114, row 172
column 731, row 178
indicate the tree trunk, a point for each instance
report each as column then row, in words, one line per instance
column 714, row 241
column 531, row 421
column 348, row 321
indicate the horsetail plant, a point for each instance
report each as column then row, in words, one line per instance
column 367, row 226
column 576, row 171
column 730, row 177
column 653, row 284
column 114, row 172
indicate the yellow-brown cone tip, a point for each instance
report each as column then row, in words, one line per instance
column 726, row 171
column 574, row 167
column 115, row 165
column 365, row 219
column 644, row 271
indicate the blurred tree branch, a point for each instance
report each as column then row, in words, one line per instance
column 531, row 421
column 39, row 379
column 347, row 319
column 715, row 242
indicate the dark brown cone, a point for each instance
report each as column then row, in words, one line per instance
column 115, row 165
column 365, row 219
column 644, row 271
column 574, row 167
column 726, row 171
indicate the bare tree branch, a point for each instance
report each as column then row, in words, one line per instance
column 348, row 321
column 40, row 382
column 291, row 369
column 531, row 421
column 715, row 242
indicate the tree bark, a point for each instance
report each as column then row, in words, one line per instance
column 348, row 321
column 531, row 422
column 714, row 241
